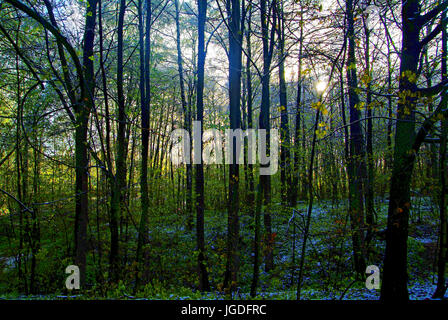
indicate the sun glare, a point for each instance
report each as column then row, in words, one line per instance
column 321, row 86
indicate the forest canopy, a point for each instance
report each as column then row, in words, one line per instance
column 274, row 149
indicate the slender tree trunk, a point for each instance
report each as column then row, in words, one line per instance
column 145, row 99
column 187, row 122
column 370, row 210
column 35, row 227
column 285, row 154
column 443, row 233
column 19, row 170
column 310, row 205
column 389, row 159
column 235, row 63
column 356, row 163
column 395, row 276
column 118, row 203
column 256, row 245
column 297, row 151
column 81, row 149
column 200, row 206
column 265, row 124
column 108, row 154
column 249, row 99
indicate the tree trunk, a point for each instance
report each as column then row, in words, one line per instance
column 370, row 210
column 81, row 148
column 310, row 204
column 187, row 122
column 249, row 100
column 264, row 124
column 443, row 233
column 284, row 122
column 395, row 276
column 203, row 274
column 145, row 98
column 356, row 164
column 235, row 52
column 117, row 205
column 296, row 173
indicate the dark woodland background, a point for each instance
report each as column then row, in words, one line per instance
column 90, row 91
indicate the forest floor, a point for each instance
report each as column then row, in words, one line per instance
column 328, row 265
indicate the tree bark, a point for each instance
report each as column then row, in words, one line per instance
column 265, row 124
column 235, row 63
column 118, row 199
column 200, row 206
column 395, row 276
column 443, row 233
column 187, row 122
column 356, row 165
column 285, row 153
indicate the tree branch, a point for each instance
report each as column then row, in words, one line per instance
column 56, row 33
column 434, row 90
column 432, row 35
column 17, row 200
column 432, row 14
